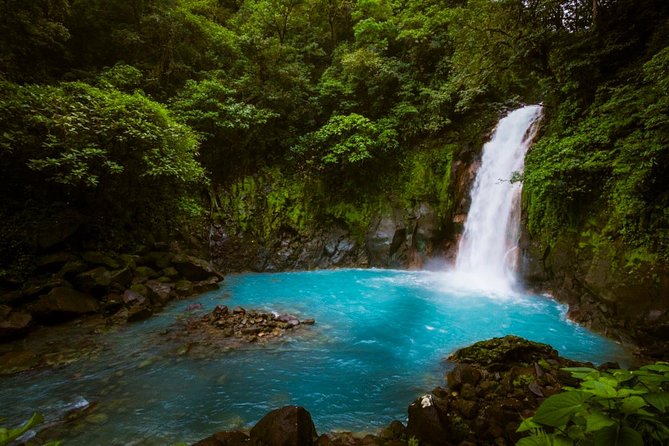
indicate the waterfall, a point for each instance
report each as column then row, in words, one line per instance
column 487, row 253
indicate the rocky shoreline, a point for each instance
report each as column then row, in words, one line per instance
column 94, row 290
column 493, row 386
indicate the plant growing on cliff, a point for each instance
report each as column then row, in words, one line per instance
column 613, row 407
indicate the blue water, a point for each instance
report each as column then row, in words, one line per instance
column 380, row 340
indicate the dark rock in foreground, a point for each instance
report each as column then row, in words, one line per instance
column 288, row 426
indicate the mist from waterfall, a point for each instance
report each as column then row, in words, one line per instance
column 487, row 254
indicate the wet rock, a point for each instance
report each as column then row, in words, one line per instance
column 428, row 421
column 287, row 426
column 194, row 269
column 203, row 286
column 120, row 317
column 463, row 374
column 131, row 297
column 225, row 439
column 395, row 431
column 138, row 312
column 14, row 324
column 158, row 292
column 63, row 303
column 18, row 361
column 184, row 287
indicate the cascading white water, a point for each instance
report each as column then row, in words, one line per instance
column 487, row 253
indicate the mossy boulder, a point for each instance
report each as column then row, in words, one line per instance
column 100, row 258
column 63, row 303
column 157, row 259
column 504, row 352
column 194, row 269
column 94, row 281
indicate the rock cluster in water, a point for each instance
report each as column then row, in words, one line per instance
column 493, row 385
column 234, row 328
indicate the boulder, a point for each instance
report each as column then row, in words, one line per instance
column 503, row 353
column 63, row 303
column 159, row 292
column 157, row 259
column 170, row 272
column 14, row 324
column 34, row 288
column 52, row 263
column 194, row 269
column 17, row 361
column 112, row 303
column 131, row 297
column 100, row 258
column 287, row 426
column 428, row 421
column 121, row 277
column 463, row 374
column 138, row 312
column 72, row 268
column 95, row 281
column 11, row 297
column 395, row 431
column 144, row 272
column 225, row 439
column 206, row 285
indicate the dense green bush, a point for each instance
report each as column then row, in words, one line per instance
column 613, row 407
column 120, row 159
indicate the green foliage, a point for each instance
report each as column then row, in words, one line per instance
column 610, row 160
column 613, row 407
column 346, row 141
column 7, row 436
column 112, row 155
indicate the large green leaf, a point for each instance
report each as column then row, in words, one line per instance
column 599, row 388
column 558, row 409
column 597, row 420
column 658, row 367
column 659, row 400
column 582, row 372
column 618, row 436
column 631, row 404
column 527, row 424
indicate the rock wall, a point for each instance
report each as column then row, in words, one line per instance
column 607, row 289
column 397, row 238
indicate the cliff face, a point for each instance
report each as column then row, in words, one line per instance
column 274, row 221
column 620, row 293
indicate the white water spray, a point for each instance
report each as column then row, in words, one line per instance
column 487, row 253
